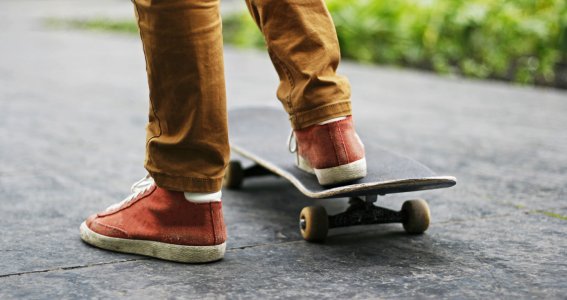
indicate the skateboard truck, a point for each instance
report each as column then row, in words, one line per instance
column 364, row 212
column 314, row 222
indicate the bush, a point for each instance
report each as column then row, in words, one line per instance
column 97, row 24
column 520, row 40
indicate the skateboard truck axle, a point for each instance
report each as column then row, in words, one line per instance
column 302, row 224
column 364, row 212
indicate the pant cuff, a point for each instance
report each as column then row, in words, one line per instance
column 304, row 119
column 186, row 184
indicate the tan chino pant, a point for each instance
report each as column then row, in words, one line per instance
column 187, row 138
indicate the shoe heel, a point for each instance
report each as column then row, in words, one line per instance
column 344, row 173
column 304, row 165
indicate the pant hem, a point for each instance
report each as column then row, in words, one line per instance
column 186, row 184
column 337, row 109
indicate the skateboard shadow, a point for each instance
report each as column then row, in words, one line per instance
column 269, row 193
column 386, row 245
column 277, row 204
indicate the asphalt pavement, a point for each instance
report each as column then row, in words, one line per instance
column 74, row 105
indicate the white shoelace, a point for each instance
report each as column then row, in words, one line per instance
column 291, row 140
column 137, row 188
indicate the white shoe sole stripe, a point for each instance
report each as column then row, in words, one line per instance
column 344, row 173
column 179, row 253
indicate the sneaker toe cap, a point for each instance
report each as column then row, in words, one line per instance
column 94, row 223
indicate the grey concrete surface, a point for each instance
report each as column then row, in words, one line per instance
column 74, row 105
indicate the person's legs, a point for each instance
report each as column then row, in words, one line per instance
column 176, row 213
column 187, row 139
column 303, row 45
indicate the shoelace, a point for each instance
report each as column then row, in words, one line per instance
column 289, row 142
column 137, row 188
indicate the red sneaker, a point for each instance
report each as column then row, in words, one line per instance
column 159, row 223
column 332, row 151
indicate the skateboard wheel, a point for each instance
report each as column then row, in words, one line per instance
column 314, row 223
column 416, row 216
column 234, row 175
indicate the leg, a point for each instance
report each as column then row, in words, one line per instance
column 187, row 144
column 304, row 49
column 187, row 141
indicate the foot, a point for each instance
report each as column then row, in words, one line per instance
column 160, row 223
column 332, row 151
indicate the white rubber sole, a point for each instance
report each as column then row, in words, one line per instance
column 178, row 253
column 344, row 173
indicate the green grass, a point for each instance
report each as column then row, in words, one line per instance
column 539, row 211
column 551, row 214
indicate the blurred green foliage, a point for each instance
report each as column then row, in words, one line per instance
column 520, row 40
column 98, row 24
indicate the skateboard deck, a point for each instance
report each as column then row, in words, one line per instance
column 261, row 135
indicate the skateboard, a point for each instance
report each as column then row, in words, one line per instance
column 260, row 134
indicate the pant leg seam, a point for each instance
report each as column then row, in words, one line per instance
column 152, row 103
column 213, row 223
column 289, row 78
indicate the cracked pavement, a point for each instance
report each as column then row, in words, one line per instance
column 74, row 107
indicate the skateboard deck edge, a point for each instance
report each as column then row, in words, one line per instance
column 355, row 189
